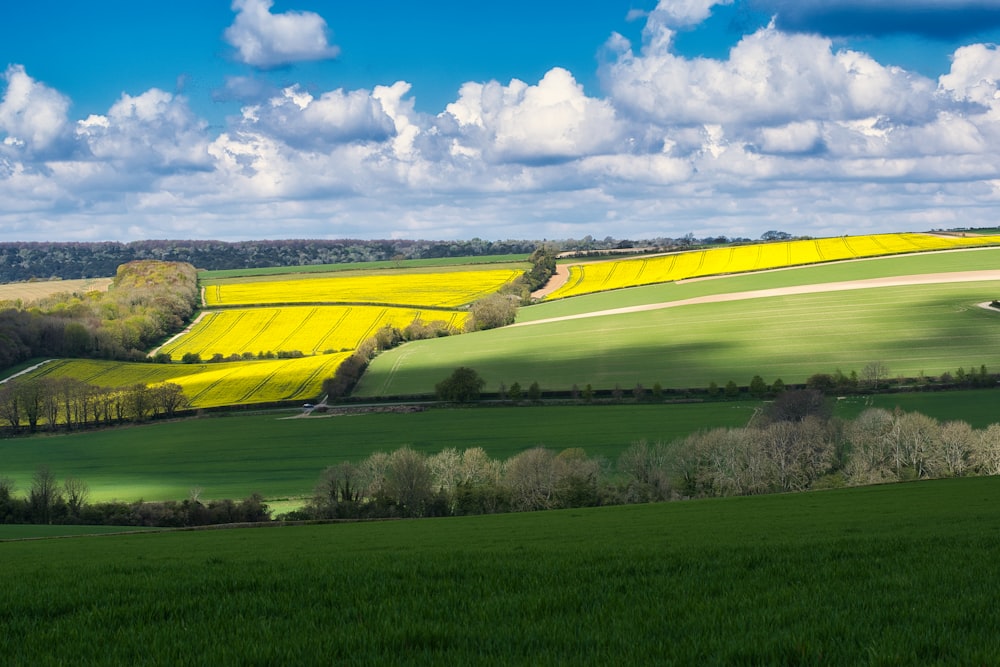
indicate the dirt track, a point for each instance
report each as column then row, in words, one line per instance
column 899, row 281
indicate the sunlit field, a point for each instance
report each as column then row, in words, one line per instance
column 308, row 329
column 210, row 385
column 440, row 290
column 913, row 329
column 601, row 276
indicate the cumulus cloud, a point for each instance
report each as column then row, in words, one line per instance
column 770, row 78
column 681, row 13
column 267, row 40
column 302, row 120
column 553, row 120
column 155, row 131
column 939, row 19
column 33, row 117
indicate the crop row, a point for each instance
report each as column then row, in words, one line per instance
column 210, row 385
column 310, row 330
column 601, row 276
column 438, row 290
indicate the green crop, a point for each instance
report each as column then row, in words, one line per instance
column 902, row 574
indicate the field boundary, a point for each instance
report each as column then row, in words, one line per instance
column 869, row 283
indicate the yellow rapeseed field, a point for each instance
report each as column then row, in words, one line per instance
column 601, row 276
column 307, row 329
column 210, row 385
column 441, row 290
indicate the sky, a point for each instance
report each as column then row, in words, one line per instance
column 274, row 119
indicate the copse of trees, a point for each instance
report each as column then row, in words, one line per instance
column 147, row 301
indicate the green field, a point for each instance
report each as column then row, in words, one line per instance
column 901, row 574
column 231, row 457
column 357, row 266
column 35, row 531
column 234, row 456
column 929, row 328
column 374, row 269
column 978, row 259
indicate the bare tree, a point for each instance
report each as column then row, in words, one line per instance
column 42, row 495
column 956, row 443
column 870, row 437
column 986, row 451
column 408, row 481
column 874, row 373
column 77, row 493
column 531, row 478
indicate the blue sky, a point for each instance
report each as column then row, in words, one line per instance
column 122, row 120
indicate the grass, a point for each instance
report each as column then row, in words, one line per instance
column 903, row 575
column 978, row 259
column 930, row 328
column 365, row 270
column 221, row 274
column 31, row 531
column 233, row 456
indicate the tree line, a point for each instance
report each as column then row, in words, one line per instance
column 147, row 301
column 23, row 261
column 65, row 403
column 793, row 445
column 49, row 501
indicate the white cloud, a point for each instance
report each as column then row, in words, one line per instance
column 302, row 120
column 681, row 13
column 770, row 78
column 553, row 120
column 153, row 131
column 267, row 40
column 32, row 115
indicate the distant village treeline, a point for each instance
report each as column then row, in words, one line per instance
column 22, row 261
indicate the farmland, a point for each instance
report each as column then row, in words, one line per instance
column 929, row 328
column 309, row 329
column 210, row 385
column 843, row 577
column 33, row 291
column 438, row 289
column 610, row 275
column 234, row 456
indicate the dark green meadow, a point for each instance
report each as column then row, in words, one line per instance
column 234, row 456
column 891, row 575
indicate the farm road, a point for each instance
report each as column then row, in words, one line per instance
column 897, row 281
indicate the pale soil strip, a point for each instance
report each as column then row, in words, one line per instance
column 557, row 280
column 186, row 331
column 896, row 281
column 26, row 370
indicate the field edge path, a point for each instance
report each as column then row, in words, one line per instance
column 895, row 281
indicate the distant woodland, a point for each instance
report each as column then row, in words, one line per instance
column 146, row 301
column 43, row 261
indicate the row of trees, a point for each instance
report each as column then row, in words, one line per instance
column 146, row 302
column 54, row 403
column 22, row 261
column 784, row 449
column 465, row 385
column 48, row 501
